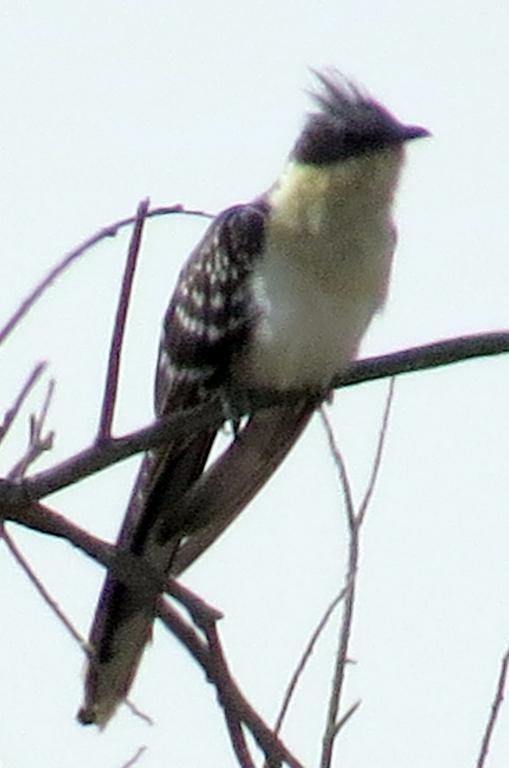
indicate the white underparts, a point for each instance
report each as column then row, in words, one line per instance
column 325, row 270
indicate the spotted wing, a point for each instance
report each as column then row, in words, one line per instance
column 210, row 316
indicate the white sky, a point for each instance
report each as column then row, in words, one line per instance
column 199, row 103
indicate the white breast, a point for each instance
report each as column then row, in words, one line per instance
column 306, row 334
column 317, row 288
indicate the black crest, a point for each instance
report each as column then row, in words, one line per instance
column 349, row 124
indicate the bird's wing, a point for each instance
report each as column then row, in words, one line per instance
column 224, row 489
column 209, row 318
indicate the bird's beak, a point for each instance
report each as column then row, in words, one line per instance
column 414, row 132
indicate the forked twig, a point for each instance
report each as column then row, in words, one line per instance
column 25, row 390
column 346, row 717
column 355, row 520
column 38, row 442
column 308, row 650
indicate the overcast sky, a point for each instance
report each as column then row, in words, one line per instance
column 105, row 103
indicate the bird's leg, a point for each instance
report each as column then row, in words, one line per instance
column 231, row 415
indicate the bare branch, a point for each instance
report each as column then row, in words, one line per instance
column 355, row 520
column 137, row 712
column 108, row 452
column 127, row 567
column 238, row 739
column 308, row 650
column 342, row 470
column 15, row 408
column 38, row 442
column 378, row 454
column 210, row 657
column 110, row 390
column 429, row 356
column 40, row 518
column 346, row 717
column 134, row 759
column 109, row 231
column 200, row 611
column 48, row 599
column 232, row 716
column 495, row 709
column 341, row 655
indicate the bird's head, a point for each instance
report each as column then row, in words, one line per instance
column 348, row 124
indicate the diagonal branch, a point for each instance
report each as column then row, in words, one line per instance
column 237, row 709
column 308, row 650
column 495, row 708
column 38, row 442
column 37, row 583
column 110, row 390
column 135, row 758
column 377, row 461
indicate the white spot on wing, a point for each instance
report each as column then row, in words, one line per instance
column 217, row 300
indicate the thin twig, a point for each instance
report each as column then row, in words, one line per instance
column 108, row 452
column 495, row 709
column 231, row 714
column 378, row 453
column 38, row 442
column 137, row 712
column 342, row 469
column 48, row 599
column 110, row 390
column 134, row 759
column 346, row 717
column 109, row 231
column 308, row 650
column 15, row 408
column 355, row 520
column 341, row 653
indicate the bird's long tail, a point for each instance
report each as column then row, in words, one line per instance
column 124, row 616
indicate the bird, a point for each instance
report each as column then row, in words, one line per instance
column 275, row 297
